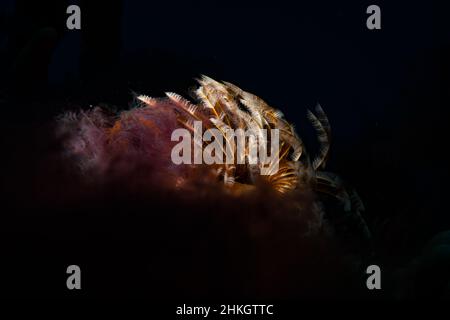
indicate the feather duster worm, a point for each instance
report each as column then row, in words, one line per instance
column 103, row 145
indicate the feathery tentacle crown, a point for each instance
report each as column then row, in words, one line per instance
column 223, row 106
